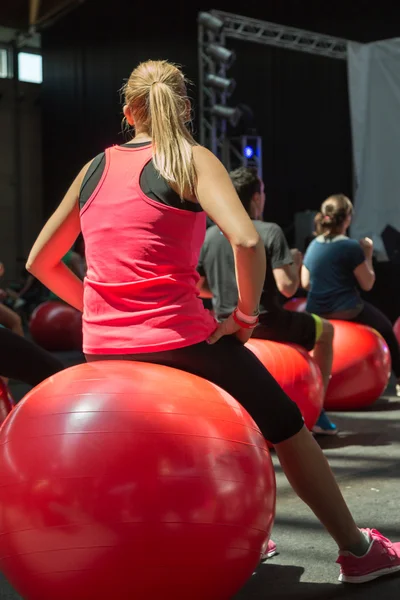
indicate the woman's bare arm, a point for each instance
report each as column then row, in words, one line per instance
column 305, row 278
column 53, row 242
column 217, row 196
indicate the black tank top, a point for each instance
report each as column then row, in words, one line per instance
column 151, row 183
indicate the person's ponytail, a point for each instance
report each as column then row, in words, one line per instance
column 334, row 212
column 172, row 142
column 318, row 224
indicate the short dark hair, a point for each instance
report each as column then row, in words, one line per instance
column 247, row 183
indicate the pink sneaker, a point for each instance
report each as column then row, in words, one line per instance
column 382, row 558
column 270, row 550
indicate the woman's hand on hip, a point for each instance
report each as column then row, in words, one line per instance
column 230, row 327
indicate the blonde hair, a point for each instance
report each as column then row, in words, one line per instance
column 334, row 212
column 156, row 95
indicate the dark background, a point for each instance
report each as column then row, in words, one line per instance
column 300, row 101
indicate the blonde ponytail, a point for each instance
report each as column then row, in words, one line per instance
column 173, row 157
column 156, row 95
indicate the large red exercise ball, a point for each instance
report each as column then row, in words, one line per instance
column 132, row 480
column 296, row 372
column 361, row 367
column 396, row 329
column 296, row 304
column 56, row 326
column 6, row 401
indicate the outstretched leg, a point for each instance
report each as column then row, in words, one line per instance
column 25, row 361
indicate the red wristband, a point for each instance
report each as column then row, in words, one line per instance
column 243, row 324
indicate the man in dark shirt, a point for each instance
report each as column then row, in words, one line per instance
column 217, row 270
column 218, row 267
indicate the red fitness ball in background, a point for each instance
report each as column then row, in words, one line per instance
column 296, row 304
column 296, row 372
column 131, row 480
column 361, row 367
column 56, row 326
column 396, row 329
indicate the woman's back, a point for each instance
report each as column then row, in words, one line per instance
column 140, row 288
column 331, row 262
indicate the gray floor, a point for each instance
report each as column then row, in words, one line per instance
column 365, row 458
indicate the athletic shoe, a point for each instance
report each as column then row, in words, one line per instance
column 324, row 426
column 398, row 390
column 382, row 558
column 270, row 550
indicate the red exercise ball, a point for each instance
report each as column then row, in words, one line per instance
column 296, row 372
column 56, row 326
column 361, row 367
column 296, row 304
column 6, row 401
column 132, row 480
column 396, row 329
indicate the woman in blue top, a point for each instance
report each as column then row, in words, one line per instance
column 335, row 267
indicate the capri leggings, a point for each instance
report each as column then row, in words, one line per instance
column 23, row 360
column 373, row 317
column 235, row 369
column 289, row 327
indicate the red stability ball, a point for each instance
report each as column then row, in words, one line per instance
column 6, row 402
column 296, row 372
column 296, row 304
column 396, row 329
column 132, row 480
column 56, row 326
column 361, row 367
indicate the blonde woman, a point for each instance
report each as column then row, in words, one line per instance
column 142, row 210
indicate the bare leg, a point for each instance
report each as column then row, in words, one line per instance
column 323, row 352
column 310, row 475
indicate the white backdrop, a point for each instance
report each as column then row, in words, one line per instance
column 374, row 87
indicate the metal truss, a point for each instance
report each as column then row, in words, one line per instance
column 271, row 34
column 212, row 129
column 234, row 152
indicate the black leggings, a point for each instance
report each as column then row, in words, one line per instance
column 373, row 317
column 23, row 360
column 235, row 369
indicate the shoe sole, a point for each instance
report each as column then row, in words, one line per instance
column 369, row 577
column 329, row 432
column 269, row 555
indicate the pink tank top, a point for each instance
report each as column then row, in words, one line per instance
column 140, row 290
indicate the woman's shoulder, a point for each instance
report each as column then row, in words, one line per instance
column 350, row 245
column 204, row 160
column 352, row 242
column 202, row 155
